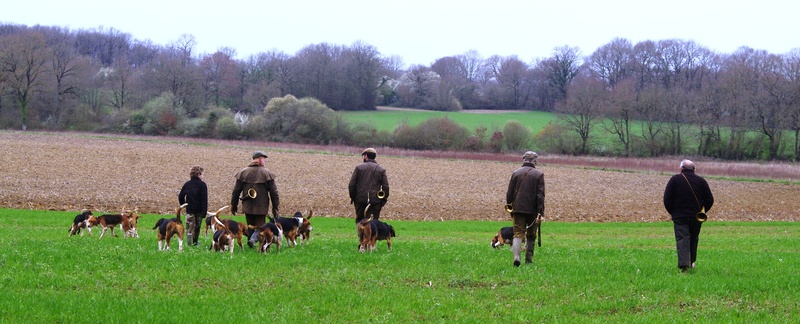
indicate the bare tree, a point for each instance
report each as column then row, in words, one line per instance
column 792, row 70
column 773, row 108
column 22, row 61
column 510, row 74
column 619, row 113
column 582, row 108
column 364, row 67
column 611, row 62
column 564, row 66
column 416, row 86
column 220, row 77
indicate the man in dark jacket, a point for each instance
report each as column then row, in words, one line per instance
column 685, row 195
column 369, row 187
column 195, row 193
column 526, row 195
column 255, row 187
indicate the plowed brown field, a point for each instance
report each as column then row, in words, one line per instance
column 107, row 173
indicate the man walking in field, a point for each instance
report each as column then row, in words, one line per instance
column 685, row 196
column 525, row 195
column 369, row 186
column 255, row 187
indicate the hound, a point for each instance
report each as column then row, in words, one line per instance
column 167, row 228
column 83, row 220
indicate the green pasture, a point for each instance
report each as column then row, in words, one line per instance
column 600, row 141
column 436, row 272
column 387, row 120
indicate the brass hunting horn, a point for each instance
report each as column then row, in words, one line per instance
column 381, row 194
column 251, row 194
column 701, row 216
column 509, row 208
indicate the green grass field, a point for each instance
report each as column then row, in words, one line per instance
column 436, row 272
column 387, row 120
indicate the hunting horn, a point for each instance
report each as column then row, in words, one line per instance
column 251, row 194
column 509, row 208
column 701, row 216
column 381, row 194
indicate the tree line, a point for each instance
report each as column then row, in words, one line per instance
column 651, row 98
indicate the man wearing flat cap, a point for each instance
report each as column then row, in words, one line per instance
column 369, row 187
column 525, row 194
column 255, row 187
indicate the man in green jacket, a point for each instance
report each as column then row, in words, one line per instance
column 526, row 196
column 255, row 187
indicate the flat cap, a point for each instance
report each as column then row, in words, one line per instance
column 259, row 154
column 530, row 156
column 369, row 150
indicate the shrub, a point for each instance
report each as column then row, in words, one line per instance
column 516, row 136
column 405, row 137
column 496, row 142
column 305, row 120
column 432, row 134
column 442, row 134
column 227, row 128
column 555, row 138
column 163, row 115
column 193, row 127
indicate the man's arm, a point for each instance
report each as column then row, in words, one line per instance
column 274, row 196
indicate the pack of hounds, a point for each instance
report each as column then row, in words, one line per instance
column 226, row 233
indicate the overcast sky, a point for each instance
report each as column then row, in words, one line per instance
column 421, row 31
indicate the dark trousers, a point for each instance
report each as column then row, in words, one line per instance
column 361, row 212
column 687, row 235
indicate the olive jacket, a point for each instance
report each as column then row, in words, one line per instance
column 257, row 177
column 526, row 190
column 368, row 178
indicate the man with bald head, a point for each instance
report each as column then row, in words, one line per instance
column 686, row 195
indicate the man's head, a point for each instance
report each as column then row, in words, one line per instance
column 687, row 165
column 369, row 153
column 196, row 171
column 260, row 157
column 530, row 156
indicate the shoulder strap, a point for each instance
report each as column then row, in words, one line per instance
column 693, row 194
column 516, row 191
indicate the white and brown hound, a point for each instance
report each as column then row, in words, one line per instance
column 83, row 220
column 269, row 234
column 294, row 226
column 167, row 228
column 372, row 230
column 110, row 221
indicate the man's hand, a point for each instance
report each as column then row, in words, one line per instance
column 274, row 213
column 234, row 209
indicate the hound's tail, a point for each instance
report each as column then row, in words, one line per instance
column 178, row 213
